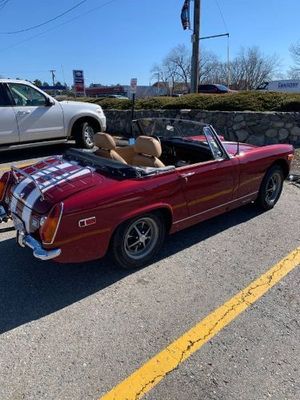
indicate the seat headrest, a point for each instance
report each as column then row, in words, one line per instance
column 104, row 141
column 147, row 145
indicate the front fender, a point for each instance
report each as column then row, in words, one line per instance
column 82, row 115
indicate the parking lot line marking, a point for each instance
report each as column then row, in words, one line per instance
column 157, row 368
column 5, row 169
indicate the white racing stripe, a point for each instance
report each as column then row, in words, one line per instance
column 27, row 210
column 47, row 171
column 18, row 190
column 35, row 193
column 13, row 205
column 77, row 175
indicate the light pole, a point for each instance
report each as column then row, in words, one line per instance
column 53, row 76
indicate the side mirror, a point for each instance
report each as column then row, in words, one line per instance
column 49, row 102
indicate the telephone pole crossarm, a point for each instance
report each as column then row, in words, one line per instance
column 214, row 36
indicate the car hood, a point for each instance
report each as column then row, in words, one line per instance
column 52, row 181
column 80, row 104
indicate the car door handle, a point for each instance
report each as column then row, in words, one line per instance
column 186, row 175
column 23, row 113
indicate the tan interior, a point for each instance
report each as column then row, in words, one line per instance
column 147, row 150
column 107, row 147
column 127, row 153
column 144, row 153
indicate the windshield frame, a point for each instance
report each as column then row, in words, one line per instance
column 225, row 155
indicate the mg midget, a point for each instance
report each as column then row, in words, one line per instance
column 126, row 199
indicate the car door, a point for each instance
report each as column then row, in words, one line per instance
column 37, row 117
column 9, row 132
column 209, row 186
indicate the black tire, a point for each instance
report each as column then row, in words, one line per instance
column 84, row 135
column 271, row 188
column 131, row 250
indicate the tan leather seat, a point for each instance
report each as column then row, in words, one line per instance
column 107, row 147
column 147, row 150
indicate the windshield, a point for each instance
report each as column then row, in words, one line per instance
column 180, row 129
column 222, row 87
column 166, row 128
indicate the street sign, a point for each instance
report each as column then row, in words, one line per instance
column 133, row 85
column 78, row 80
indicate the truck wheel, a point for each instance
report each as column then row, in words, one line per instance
column 271, row 188
column 84, row 136
column 137, row 241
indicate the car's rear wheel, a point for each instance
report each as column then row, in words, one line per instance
column 271, row 188
column 137, row 241
column 84, row 135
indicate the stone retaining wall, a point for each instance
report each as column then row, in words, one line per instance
column 258, row 128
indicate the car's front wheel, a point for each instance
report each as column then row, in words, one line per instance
column 137, row 241
column 84, row 135
column 271, row 188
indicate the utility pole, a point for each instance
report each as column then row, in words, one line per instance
column 195, row 41
column 53, row 76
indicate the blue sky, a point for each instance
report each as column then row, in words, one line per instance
column 121, row 39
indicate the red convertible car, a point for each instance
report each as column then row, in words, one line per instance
column 79, row 206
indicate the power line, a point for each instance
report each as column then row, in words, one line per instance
column 3, row 4
column 45, row 22
column 222, row 16
column 58, row 26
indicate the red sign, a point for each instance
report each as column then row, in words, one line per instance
column 78, row 80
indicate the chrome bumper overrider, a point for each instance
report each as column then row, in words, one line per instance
column 38, row 251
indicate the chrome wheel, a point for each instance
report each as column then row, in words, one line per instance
column 140, row 238
column 88, row 135
column 273, row 188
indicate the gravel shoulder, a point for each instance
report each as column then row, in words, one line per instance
column 295, row 168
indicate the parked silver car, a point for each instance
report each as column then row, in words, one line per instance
column 29, row 116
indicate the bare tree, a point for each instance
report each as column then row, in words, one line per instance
column 248, row 69
column 176, row 67
column 162, row 77
column 294, row 71
column 251, row 67
column 178, row 63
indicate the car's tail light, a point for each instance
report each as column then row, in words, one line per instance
column 50, row 225
column 3, row 185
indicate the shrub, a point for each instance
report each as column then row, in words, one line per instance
column 289, row 105
column 241, row 101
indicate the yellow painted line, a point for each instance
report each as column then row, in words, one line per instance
column 19, row 166
column 157, row 368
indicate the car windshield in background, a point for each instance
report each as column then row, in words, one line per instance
column 169, row 128
column 222, row 87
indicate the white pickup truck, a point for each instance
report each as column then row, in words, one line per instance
column 30, row 117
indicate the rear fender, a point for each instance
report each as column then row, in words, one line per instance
column 145, row 210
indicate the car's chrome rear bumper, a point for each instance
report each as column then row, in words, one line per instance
column 38, row 251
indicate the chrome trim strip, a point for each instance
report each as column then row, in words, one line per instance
column 214, row 208
column 31, row 144
column 220, row 142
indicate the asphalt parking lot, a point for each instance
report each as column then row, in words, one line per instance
column 75, row 332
